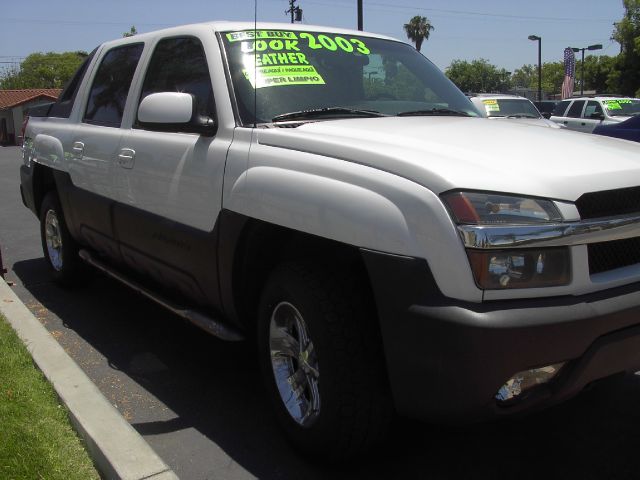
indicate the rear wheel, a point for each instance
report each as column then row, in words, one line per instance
column 321, row 361
column 60, row 250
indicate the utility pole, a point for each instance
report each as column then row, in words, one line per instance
column 296, row 12
column 360, row 15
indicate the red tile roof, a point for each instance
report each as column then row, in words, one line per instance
column 12, row 98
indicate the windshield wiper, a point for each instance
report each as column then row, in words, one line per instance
column 521, row 115
column 434, row 111
column 326, row 112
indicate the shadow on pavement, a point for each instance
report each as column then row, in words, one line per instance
column 213, row 387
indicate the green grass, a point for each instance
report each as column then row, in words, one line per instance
column 36, row 438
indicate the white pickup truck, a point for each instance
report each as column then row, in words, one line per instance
column 331, row 195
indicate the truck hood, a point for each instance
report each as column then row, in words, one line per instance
column 446, row 153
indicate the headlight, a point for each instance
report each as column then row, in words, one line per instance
column 516, row 267
column 473, row 208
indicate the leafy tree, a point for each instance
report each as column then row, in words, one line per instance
column 552, row 77
column 627, row 34
column 43, row 70
column 418, row 29
column 132, row 31
column 597, row 71
column 478, row 76
column 525, row 77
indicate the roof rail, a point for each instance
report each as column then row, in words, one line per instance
column 593, row 95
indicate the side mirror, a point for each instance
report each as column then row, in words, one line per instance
column 173, row 112
column 597, row 116
column 546, row 115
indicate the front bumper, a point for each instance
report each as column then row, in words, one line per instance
column 447, row 359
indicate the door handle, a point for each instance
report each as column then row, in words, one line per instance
column 78, row 150
column 126, row 158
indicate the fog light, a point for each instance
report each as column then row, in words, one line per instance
column 523, row 381
column 520, row 268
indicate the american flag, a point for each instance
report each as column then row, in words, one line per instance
column 569, row 73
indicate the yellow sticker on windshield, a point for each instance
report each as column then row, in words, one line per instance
column 279, row 40
column 260, row 34
column 284, row 75
column 613, row 104
column 489, row 102
column 274, row 57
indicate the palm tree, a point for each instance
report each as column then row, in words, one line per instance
column 418, row 30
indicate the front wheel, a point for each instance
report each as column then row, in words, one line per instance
column 60, row 250
column 321, row 361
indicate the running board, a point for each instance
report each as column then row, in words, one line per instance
column 205, row 322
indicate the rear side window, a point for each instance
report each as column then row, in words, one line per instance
column 62, row 108
column 110, row 88
column 560, row 108
column 180, row 65
column 576, row 109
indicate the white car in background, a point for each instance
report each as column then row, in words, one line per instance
column 513, row 107
column 583, row 114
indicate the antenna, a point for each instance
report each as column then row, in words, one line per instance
column 255, row 64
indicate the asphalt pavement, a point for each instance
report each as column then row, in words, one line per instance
column 198, row 402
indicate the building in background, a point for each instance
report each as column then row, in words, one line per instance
column 14, row 103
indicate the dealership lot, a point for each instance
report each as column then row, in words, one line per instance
column 198, row 402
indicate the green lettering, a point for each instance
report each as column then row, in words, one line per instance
column 291, row 45
column 283, row 58
column 276, row 44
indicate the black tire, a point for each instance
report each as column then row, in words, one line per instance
column 61, row 252
column 355, row 408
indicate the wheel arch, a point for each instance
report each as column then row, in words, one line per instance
column 258, row 247
column 43, row 183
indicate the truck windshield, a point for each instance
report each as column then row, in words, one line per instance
column 330, row 75
column 510, row 107
column 622, row 106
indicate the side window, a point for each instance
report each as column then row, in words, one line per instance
column 180, row 65
column 62, row 108
column 592, row 107
column 560, row 108
column 576, row 109
column 110, row 88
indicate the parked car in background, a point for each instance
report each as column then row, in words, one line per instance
column 583, row 114
column 513, row 107
column 628, row 130
column 546, row 107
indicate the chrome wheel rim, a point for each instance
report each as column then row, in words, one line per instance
column 294, row 363
column 53, row 239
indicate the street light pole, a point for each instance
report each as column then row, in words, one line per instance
column 360, row 22
column 597, row 46
column 539, row 40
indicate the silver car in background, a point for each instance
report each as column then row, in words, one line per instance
column 512, row 107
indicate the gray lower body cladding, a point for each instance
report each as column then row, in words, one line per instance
column 447, row 360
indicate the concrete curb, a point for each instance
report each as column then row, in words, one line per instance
column 117, row 449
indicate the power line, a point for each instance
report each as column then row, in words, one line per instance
column 80, row 22
column 463, row 12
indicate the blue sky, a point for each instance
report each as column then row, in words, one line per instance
column 496, row 30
